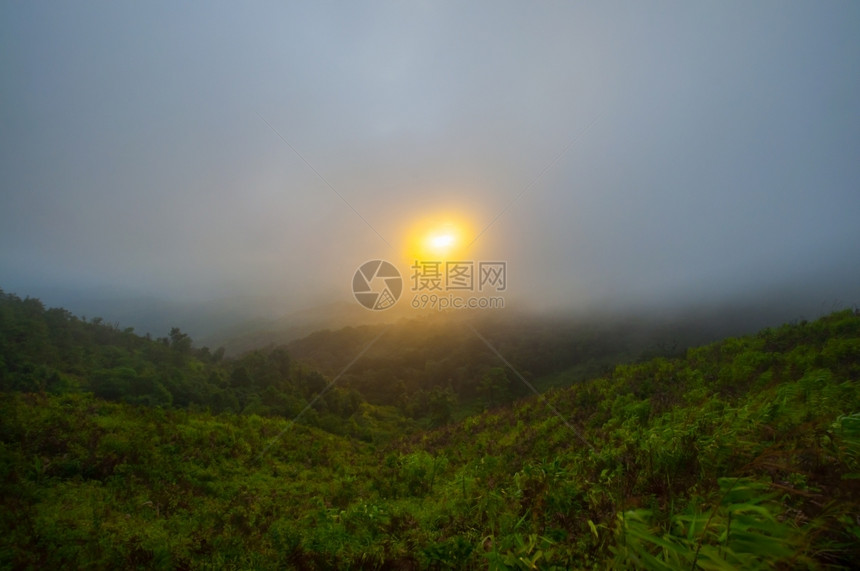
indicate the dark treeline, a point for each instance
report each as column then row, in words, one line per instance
column 424, row 371
column 424, row 365
column 51, row 350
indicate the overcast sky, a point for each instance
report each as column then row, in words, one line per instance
column 637, row 150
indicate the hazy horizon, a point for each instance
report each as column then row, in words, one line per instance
column 619, row 154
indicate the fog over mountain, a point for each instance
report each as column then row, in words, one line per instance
column 220, row 167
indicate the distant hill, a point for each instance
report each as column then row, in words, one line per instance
column 156, row 315
column 280, row 331
column 439, row 351
column 50, row 350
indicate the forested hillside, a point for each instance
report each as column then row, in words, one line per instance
column 436, row 362
column 53, row 351
column 421, row 372
column 739, row 454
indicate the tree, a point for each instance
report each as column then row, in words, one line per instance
column 179, row 341
column 441, row 404
column 494, row 385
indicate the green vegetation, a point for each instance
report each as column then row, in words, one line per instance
column 740, row 454
column 426, row 372
column 415, row 361
column 52, row 351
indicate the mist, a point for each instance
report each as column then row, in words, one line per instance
column 614, row 155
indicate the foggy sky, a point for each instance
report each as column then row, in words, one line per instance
column 712, row 148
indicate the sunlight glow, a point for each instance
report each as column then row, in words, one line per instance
column 440, row 239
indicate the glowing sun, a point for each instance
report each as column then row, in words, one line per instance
column 442, row 241
column 438, row 240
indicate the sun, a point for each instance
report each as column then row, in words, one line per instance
column 438, row 240
column 442, row 241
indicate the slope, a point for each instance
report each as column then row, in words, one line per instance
column 743, row 453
